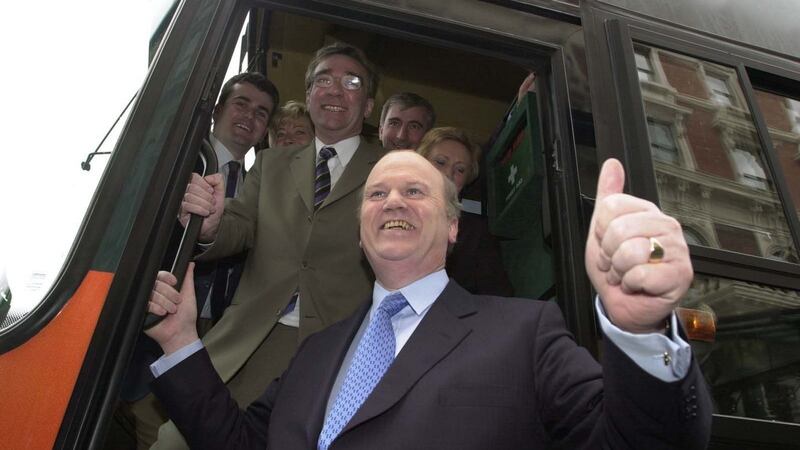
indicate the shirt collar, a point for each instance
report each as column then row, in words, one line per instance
column 345, row 149
column 420, row 294
column 224, row 156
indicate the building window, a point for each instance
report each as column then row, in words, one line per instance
column 749, row 167
column 662, row 142
column 794, row 113
column 737, row 239
column 643, row 66
column 720, row 91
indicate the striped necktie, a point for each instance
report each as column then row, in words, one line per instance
column 374, row 355
column 322, row 181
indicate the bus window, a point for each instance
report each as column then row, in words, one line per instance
column 709, row 164
column 60, row 116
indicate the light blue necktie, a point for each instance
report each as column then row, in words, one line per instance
column 373, row 357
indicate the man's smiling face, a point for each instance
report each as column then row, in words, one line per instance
column 338, row 113
column 242, row 121
column 404, row 224
column 403, row 128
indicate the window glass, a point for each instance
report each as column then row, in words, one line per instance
column 720, row 93
column 793, row 109
column 662, row 142
column 749, row 167
column 643, row 66
column 709, row 164
column 781, row 115
column 751, row 358
column 95, row 63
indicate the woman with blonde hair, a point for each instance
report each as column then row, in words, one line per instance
column 291, row 125
column 475, row 261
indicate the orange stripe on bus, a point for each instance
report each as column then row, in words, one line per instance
column 37, row 378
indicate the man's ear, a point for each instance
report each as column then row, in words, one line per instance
column 452, row 232
column 368, row 109
column 217, row 111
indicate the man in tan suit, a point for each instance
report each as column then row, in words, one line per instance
column 297, row 217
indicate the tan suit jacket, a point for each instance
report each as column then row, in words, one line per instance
column 290, row 246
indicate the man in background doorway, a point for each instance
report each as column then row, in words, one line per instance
column 405, row 118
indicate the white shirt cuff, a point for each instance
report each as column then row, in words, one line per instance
column 163, row 364
column 665, row 357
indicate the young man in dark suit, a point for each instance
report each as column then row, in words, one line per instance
column 425, row 364
column 241, row 116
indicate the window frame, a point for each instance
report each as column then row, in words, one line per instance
column 623, row 35
column 620, row 123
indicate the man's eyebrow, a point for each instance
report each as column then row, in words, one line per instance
column 323, row 71
column 417, row 183
column 249, row 100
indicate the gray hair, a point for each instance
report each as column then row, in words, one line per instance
column 354, row 53
column 407, row 100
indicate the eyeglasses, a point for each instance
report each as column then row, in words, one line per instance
column 349, row 82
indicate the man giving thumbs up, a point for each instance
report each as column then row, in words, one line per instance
column 425, row 364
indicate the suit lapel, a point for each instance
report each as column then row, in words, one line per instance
column 436, row 336
column 355, row 174
column 302, row 167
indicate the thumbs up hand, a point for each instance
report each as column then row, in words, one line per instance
column 638, row 284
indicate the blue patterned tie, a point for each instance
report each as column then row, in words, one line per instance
column 322, row 179
column 373, row 356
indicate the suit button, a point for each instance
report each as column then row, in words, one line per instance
column 304, row 264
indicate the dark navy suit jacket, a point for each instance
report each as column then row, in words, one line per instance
column 479, row 372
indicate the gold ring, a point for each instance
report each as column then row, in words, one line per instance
column 656, row 251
